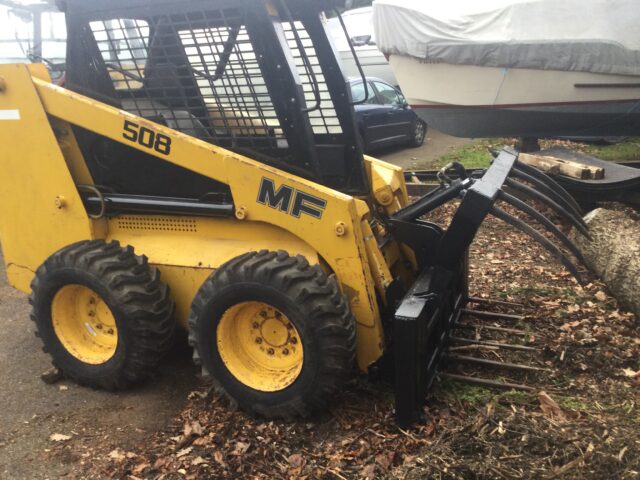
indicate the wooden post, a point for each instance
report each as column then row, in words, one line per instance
column 559, row 166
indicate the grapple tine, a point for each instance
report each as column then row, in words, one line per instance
column 547, row 190
column 576, row 221
column 537, row 236
column 544, row 221
column 534, row 172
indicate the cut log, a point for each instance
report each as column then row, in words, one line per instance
column 614, row 253
column 559, row 166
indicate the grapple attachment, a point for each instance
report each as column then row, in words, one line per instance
column 434, row 303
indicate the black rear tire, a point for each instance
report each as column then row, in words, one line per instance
column 138, row 301
column 419, row 134
column 307, row 298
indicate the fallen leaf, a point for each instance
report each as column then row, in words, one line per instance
column 192, row 429
column 632, row 374
column 219, row 458
column 59, row 437
column 241, row 448
column 160, row 462
column 385, row 460
column 369, row 472
column 117, row 455
column 600, row 296
column 296, row 460
column 184, row 451
column 568, row 326
column 198, row 461
column 573, row 308
column 550, row 408
column 140, row 468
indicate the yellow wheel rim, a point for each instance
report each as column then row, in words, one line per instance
column 84, row 324
column 260, row 346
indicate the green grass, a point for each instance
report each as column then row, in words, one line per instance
column 463, row 392
column 516, row 396
column 573, row 403
column 621, row 152
column 475, row 155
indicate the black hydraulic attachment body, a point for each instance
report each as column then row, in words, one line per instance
column 434, row 303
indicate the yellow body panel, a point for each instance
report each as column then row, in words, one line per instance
column 41, row 210
column 188, row 249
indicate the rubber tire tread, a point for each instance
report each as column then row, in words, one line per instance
column 140, row 301
column 328, row 313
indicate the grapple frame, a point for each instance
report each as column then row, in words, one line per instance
column 433, row 305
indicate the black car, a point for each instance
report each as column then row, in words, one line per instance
column 384, row 117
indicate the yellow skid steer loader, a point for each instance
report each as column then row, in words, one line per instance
column 200, row 167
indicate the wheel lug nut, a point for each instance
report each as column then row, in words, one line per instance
column 110, row 332
column 258, row 340
column 285, row 351
column 278, row 315
column 294, row 340
column 271, row 351
column 263, row 314
column 100, row 327
column 256, row 325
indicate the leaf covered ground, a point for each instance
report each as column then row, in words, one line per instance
column 582, row 421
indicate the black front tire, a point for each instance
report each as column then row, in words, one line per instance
column 139, row 302
column 310, row 300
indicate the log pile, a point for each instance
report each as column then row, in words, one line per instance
column 614, row 252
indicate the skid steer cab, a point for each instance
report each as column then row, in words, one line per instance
column 200, row 167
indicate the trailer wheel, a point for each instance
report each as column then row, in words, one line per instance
column 275, row 334
column 102, row 313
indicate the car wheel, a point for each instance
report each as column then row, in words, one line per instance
column 419, row 134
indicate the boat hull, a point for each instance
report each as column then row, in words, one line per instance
column 473, row 101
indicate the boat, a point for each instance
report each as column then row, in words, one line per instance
column 358, row 23
column 516, row 68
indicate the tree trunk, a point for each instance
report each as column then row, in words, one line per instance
column 614, row 253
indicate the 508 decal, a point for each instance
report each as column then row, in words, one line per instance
column 146, row 137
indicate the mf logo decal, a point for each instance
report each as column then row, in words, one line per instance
column 289, row 200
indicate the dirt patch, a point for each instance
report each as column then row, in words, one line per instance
column 33, row 412
column 586, row 424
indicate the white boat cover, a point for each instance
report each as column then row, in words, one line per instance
column 598, row 36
